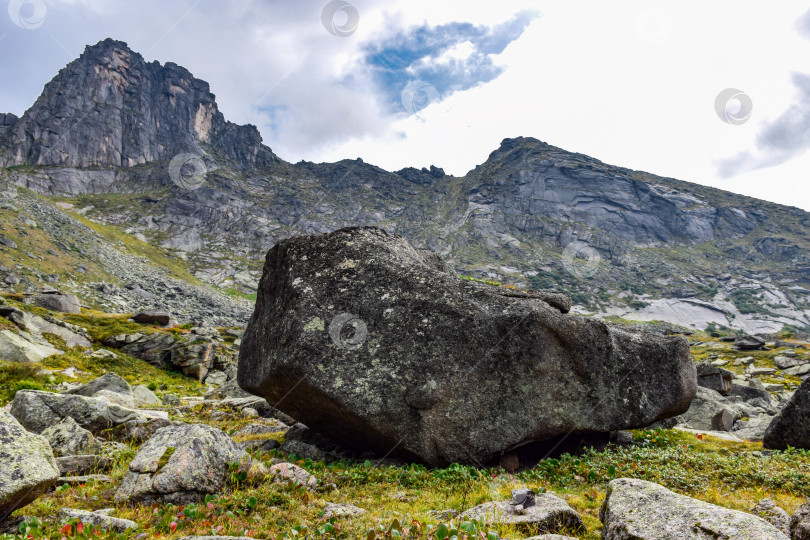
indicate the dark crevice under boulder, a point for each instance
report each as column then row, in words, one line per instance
column 377, row 345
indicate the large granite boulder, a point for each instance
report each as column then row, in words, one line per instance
column 180, row 464
column 791, row 427
column 27, row 465
column 641, row 510
column 67, row 438
column 378, row 345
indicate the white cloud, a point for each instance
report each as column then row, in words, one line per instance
column 627, row 83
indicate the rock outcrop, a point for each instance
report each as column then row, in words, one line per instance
column 376, row 344
column 641, row 510
column 27, row 466
column 791, row 427
column 110, row 108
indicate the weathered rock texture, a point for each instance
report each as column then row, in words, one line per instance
column 377, row 345
column 640, row 510
column 791, row 427
column 27, row 466
column 179, row 464
column 110, row 108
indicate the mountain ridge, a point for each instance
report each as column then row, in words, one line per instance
column 644, row 246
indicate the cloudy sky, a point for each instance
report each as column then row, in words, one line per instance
column 711, row 92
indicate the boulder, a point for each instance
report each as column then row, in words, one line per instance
column 37, row 410
column 715, row 378
column 341, row 510
column 787, row 362
column 162, row 318
column 37, row 326
column 180, row 464
column 15, row 348
column 65, row 303
column 27, row 465
column 749, row 343
column 791, row 427
column 288, row 473
column 800, row 523
column 67, row 438
column 770, row 512
column 711, row 412
column 98, row 519
column 549, row 513
column 379, row 346
column 144, row 397
column 191, row 354
column 640, row 510
column 111, row 382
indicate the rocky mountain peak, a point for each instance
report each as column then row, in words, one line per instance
column 110, row 108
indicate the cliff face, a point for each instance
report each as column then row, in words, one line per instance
column 110, row 108
column 110, row 123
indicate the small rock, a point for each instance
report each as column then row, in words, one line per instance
column 67, row 438
column 65, row 303
column 338, row 510
column 791, row 427
column 767, row 510
column 96, row 519
column 162, row 318
column 549, row 513
column 287, row 472
column 84, row 479
column 798, row 371
column 8, row 242
column 800, row 523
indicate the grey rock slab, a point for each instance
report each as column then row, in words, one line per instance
column 96, row 519
column 289, row 473
column 67, row 438
column 37, row 410
column 162, row 318
column 14, row 348
column 641, row 510
column 27, row 465
column 390, row 364
column 111, row 382
column 179, row 464
column 144, row 397
column 83, row 464
column 549, row 514
column 84, row 479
